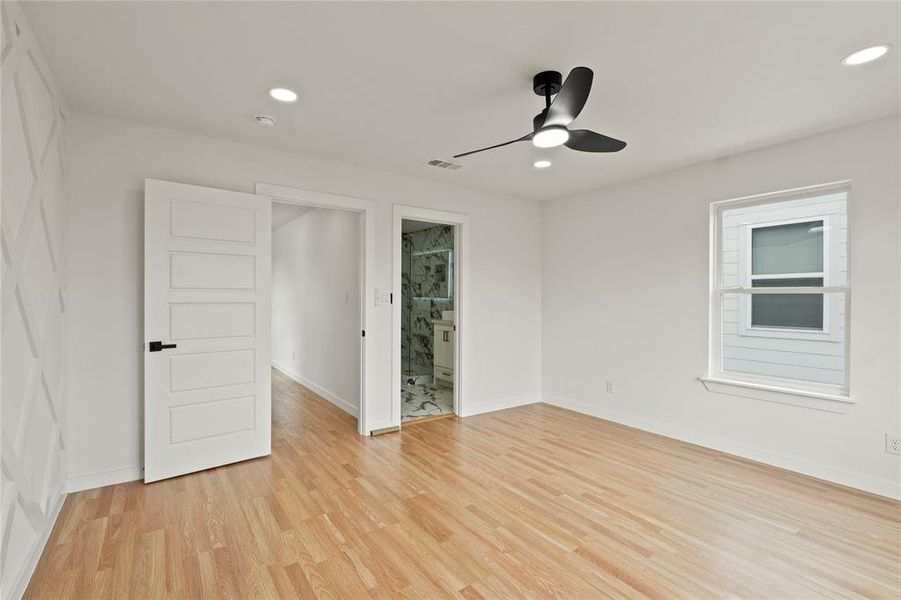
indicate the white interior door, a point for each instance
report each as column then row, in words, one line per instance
column 207, row 280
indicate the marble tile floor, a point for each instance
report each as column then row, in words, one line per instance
column 425, row 400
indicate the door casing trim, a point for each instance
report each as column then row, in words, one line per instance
column 292, row 195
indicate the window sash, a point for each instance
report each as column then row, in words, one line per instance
column 819, row 254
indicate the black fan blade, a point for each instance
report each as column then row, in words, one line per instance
column 522, row 139
column 589, row 141
column 571, row 98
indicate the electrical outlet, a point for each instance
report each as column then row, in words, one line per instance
column 893, row 443
column 610, row 386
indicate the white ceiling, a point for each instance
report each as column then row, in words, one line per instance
column 391, row 85
column 282, row 213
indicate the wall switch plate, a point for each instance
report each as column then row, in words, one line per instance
column 893, row 443
column 610, row 386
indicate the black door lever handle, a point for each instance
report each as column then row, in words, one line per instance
column 157, row 346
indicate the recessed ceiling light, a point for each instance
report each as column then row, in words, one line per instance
column 542, row 164
column 283, row 94
column 264, row 120
column 866, row 55
column 550, row 136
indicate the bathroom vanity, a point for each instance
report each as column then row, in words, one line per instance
column 443, row 352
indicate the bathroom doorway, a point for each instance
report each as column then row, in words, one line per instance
column 426, row 318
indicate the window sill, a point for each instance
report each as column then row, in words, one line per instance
column 835, row 403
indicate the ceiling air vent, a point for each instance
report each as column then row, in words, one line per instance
column 443, row 164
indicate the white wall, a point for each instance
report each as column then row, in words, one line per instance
column 34, row 301
column 625, row 297
column 316, row 303
column 109, row 161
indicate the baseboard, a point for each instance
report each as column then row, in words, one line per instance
column 487, row 407
column 89, row 481
column 874, row 485
column 31, row 562
column 328, row 395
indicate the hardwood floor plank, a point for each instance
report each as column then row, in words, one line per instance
column 473, row 508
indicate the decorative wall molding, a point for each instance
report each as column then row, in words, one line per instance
column 33, row 301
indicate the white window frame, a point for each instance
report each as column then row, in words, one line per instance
column 833, row 398
column 831, row 331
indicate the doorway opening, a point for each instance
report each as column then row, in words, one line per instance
column 359, row 313
column 427, row 320
column 429, row 291
column 316, row 300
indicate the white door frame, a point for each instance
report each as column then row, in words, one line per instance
column 291, row 195
column 461, row 291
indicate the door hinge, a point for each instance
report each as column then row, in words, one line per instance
column 391, row 298
column 364, row 333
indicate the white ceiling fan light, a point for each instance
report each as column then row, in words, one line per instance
column 550, row 136
column 866, row 55
column 283, row 94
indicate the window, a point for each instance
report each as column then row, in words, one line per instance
column 789, row 255
column 780, row 293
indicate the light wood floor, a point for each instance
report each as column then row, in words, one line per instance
column 529, row 502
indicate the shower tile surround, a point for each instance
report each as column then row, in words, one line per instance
column 425, row 267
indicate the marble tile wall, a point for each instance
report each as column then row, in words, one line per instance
column 427, row 290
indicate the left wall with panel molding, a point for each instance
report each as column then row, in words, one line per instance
column 33, row 217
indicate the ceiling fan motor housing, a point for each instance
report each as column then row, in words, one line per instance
column 547, row 83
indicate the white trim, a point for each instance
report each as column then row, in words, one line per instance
column 89, row 481
column 788, row 194
column 808, row 398
column 461, row 289
column 291, row 195
column 874, row 485
column 504, row 404
column 332, row 397
column 17, row 590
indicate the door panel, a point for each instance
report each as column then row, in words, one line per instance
column 210, row 369
column 210, row 222
column 211, row 320
column 211, row 419
column 207, row 270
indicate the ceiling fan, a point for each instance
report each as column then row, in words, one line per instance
column 549, row 126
